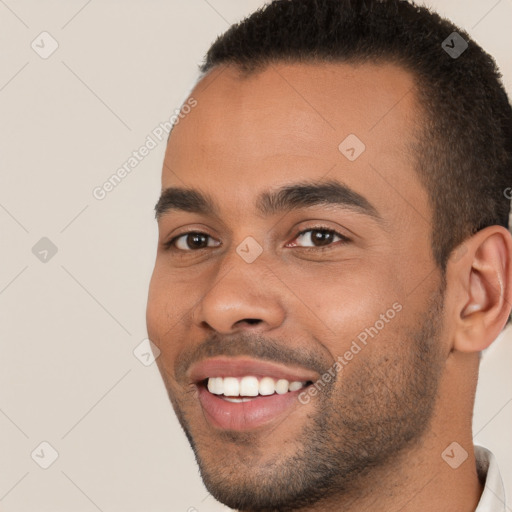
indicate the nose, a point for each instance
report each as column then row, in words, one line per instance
column 241, row 296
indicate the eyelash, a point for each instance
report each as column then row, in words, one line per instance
column 169, row 246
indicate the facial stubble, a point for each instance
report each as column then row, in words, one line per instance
column 378, row 410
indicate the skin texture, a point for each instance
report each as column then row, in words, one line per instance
column 372, row 439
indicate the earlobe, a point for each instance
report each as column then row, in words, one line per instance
column 485, row 275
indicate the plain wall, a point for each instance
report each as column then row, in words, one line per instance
column 68, row 326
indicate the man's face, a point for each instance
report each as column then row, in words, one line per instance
column 279, row 283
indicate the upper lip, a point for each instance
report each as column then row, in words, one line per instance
column 242, row 366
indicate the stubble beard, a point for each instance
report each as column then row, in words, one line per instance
column 379, row 410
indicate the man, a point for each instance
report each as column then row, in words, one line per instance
column 333, row 258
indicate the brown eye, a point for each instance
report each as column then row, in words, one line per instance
column 319, row 237
column 191, row 241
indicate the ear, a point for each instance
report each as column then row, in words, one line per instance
column 481, row 270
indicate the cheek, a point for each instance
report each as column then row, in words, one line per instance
column 165, row 313
column 154, row 307
column 163, row 332
column 348, row 299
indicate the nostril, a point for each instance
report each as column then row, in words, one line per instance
column 250, row 321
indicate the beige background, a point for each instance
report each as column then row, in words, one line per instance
column 68, row 328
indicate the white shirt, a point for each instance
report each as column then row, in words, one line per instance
column 493, row 497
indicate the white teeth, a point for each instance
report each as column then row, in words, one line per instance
column 232, row 386
column 295, row 386
column 267, row 386
column 250, row 386
column 236, row 400
column 282, row 386
column 216, row 385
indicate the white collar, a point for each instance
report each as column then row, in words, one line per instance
column 493, row 497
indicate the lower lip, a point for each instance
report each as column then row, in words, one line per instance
column 239, row 416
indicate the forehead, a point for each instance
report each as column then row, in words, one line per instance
column 287, row 122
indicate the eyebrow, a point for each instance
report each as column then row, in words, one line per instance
column 285, row 199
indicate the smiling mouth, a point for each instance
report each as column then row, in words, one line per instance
column 242, row 393
column 249, row 402
column 247, row 388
